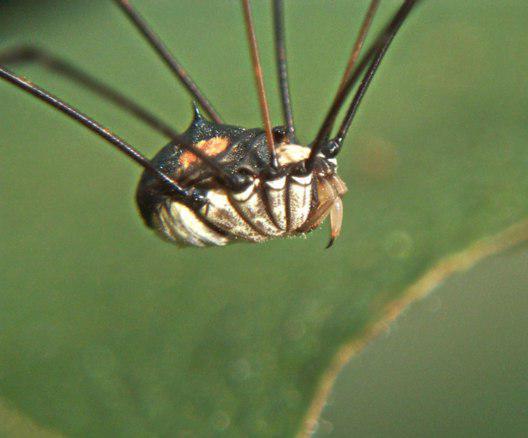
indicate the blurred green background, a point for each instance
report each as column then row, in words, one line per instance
column 98, row 318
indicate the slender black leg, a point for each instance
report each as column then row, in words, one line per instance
column 190, row 197
column 282, row 67
column 57, row 65
column 156, row 43
column 377, row 50
column 351, row 112
column 25, row 54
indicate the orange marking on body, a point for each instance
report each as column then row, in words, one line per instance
column 211, row 148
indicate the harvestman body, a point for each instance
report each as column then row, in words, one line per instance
column 287, row 202
column 216, row 183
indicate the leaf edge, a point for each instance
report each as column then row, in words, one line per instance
column 464, row 260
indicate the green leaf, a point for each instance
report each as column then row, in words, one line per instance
column 105, row 330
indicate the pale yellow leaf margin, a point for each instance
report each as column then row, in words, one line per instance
column 15, row 425
column 462, row 261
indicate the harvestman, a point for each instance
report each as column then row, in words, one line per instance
column 216, row 183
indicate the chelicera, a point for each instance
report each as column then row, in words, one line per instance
column 217, row 183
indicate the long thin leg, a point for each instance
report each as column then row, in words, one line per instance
column 351, row 112
column 188, row 196
column 55, row 64
column 259, row 79
column 282, row 67
column 360, row 40
column 386, row 35
column 24, row 54
column 173, row 64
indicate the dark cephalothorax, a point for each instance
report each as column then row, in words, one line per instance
column 216, row 183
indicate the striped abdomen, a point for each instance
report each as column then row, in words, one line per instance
column 286, row 206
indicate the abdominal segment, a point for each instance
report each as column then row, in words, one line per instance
column 263, row 211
